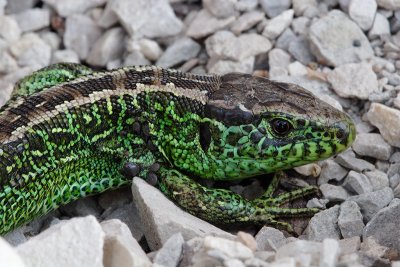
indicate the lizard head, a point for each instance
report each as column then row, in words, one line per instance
column 253, row 126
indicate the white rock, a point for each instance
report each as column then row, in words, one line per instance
column 275, row 7
column 64, row 56
column 389, row 4
column 68, row 7
column 159, row 215
column 226, row 66
column 246, row 5
column 300, row 6
column 278, row 24
column 205, row 24
column 330, row 253
column 178, row 52
column 8, row 256
column 76, row 242
column 8, row 63
column 81, row 33
column 231, row 248
column 9, row 29
column 297, row 69
column 336, row 40
column 52, row 39
column 30, row 50
column 136, row 58
column 150, row 49
column 225, row 45
column 354, row 80
column 108, row 47
column 300, row 248
column 171, row 252
column 380, row 27
column 363, row 12
column 220, row 8
column 278, row 58
column 387, row 120
column 247, row 21
column 33, row 19
column 142, row 18
column 120, row 248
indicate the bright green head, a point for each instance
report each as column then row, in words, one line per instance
column 257, row 126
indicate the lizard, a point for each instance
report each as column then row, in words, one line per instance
column 69, row 131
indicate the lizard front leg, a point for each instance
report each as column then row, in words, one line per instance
column 224, row 206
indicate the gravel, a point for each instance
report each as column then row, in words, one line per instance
column 345, row 51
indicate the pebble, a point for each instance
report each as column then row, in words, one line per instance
column 300, row 50
column 70, row 7
column 278, row 24
column 205, row 24
column 170, row 254
column 232, row 249
column 225, row 66
column 354, row 80
column 372, row 145
column 330, row 253
column 285, row 39
column 363, row 12
column 274, row 8
column 324, row 225
column 246, row 21
column 348, row 160
column 301, row 6
column 178, row 52
column 357, row 183
column 389, row 4
column 220, row 8
column 31, row 51
column 33, row 19
column 333, row 192
column 352, row 48
column 387, row 120
column 299, row 250
column 349, row 245
column 350, row 220
column 270, row 239
column 278, row 58
column 9, row 29
column 330, row 170
column 380, row 27
column 378, row 179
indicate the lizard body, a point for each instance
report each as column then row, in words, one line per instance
column 69, row 132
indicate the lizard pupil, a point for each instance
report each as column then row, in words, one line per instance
column 280, row 126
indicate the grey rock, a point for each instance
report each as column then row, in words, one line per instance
column 363, row 12
column 357, row 183
column 333, row 192
column 138, row 18
column 150, row 49
column 220, row 8
column 278, row 24
column 394, row 180
column 395, row 157
column 275, row 7
column 159, row 215
column 33, row 19
column 374, row 254
column 232, row 249
column 371, row 203
column 317, row 203
column 205, row 24
column 178, row 52
column 69, row 7
column 76, row 242
column 9, row 29
column 81, row 33
column 393, row 169
column 301, row 6
column 136, row 58
column 381, row 27
column 324, row 34
column 350, row 245
column 389, row 4
column 350, row 219
column 246, row 5
column 120, row 248
column 383, row 227
column 372, row 145
column 330, row 253
column 64, row 56
column 32, row 51
column 387, row 120
column 15, row 237
column 270, row 239
column 300, row 50
column 396, row 191
column 170, row 253
column 225, row 45
column 348, row 160
column 300, row 25
column 226, row 66
column 298, row 249
column 324, row 225
column 246, row 21
column 330, row 170
column 285, row 39
column 378, row 179
column 113, row 199
column 354, row 80
column 108, row 47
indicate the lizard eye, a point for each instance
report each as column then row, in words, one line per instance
column 280, row 126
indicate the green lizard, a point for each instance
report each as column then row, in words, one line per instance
column 69, row 132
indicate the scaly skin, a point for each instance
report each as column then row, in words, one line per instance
column 69, row 132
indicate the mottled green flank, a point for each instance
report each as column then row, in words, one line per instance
column 69, row 132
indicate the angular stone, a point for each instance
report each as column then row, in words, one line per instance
column 349, row 161
column 383, row 227
column 205, row 24
column 330, row 170
column 270, row 239
column 33, row 19
column 373, row 254
column 226, row 66
column 246, row 21
column 381, row 27
column 357, row 183
column 278, row 58
column 278, row 24
column 349, row 245
column 300, row 50
column 363, row 12
column 136, row 58
column 333, row 192
column 389, row 4
column 325, row 34
column 141, row 18
column 330, row 253
column 170, row 253
column 17, row 6
column 354, row 80
column 246, row 5
column 387, row 120
column 178, row 52
column 220, row 8
column 371, row 203
column 372, row 145
column 301, row 6
column 31, row 51
column 350, row 219
column 324, row 225
column 274, row 7
column 247, row 239
column 76, row 242
column 66, row 8
column 230, row 248
column 159, row 215
column 285, row 39
column 298, row 249
column 378, row 179
column 9, row 29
